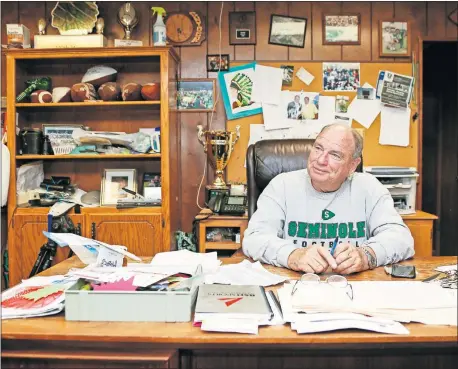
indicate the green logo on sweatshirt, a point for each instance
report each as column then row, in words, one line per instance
column 327, row 214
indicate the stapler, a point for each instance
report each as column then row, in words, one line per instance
column 137, row 201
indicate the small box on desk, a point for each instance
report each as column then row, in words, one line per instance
column 66, row 41
column 129, row 306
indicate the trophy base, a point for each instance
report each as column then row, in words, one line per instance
column 212, row 191
column 126, row 43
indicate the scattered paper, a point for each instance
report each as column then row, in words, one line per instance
column 305, row 76
column 187, row 261
column 219, row 324
column 267, row 84
column 274, row 117
column 244, row 274
column 109, row 258
column 446, row 268
column 364, row 111
column 395, row 126
column 327, row 108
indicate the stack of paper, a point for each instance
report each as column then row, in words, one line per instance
column 187, row 261
column 38, row 296
column 399, row 301
column 243, row 274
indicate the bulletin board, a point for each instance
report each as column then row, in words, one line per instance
column 373, row 154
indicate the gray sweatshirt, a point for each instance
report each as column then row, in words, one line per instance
column 292, row 214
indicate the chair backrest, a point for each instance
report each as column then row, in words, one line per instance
column 268, row 158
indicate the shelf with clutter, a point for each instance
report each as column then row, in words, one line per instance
column 68, row 108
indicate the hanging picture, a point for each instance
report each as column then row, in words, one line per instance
column 341, row 76
column 196, row 94
column 341, row 29
column 236, row 89
column 394, row 38
column 287, row 31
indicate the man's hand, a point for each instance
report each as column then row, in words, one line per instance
column 312, row 259
column 350, row 259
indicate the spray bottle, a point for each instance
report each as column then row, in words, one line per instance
column 159, row 29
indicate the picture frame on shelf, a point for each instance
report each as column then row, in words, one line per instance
column 112, row 183
column 60, row 136
column 242, row 28
column 152, row 185
column 341, row 29
column 287, row 31
column 196, row 94
column 394, row 38
column 215, row 63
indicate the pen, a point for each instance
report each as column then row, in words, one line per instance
column 334, row 245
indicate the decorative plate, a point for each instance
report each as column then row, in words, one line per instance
column 74, row 17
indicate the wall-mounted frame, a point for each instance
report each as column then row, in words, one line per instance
column 287, row 31
column 341, row 29
column 112, row 183
column 196, row 94
column 394, row 38
column 215, row 63
column 242, row 28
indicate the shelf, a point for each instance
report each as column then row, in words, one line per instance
column 95, row 210
column 85, row 104
column 222, row 246
column 87, row 156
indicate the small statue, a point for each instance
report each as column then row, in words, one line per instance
column 42, row 26
column 42, row 83
column 100, row 25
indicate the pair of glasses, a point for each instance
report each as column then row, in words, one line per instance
column 311, row 279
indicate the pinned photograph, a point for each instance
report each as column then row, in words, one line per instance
column 287, row 31
column 341, row 29
column 196, row 94
column 301, row 105
column 237, row 91
column 215, row 63
column 394, row 38
column 288, row 71
column 310, row 105
column 341, row 76
column 342, row 103
column 365, row 93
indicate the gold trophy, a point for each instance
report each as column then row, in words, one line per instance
column 219, row 146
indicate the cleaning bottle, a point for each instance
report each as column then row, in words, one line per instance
column 159, row 29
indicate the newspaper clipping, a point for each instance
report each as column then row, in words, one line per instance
column 396, row 89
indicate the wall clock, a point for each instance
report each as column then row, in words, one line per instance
column 185, row 28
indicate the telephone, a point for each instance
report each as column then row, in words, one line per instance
column 228, row 205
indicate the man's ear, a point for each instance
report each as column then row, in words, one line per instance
column 354, row 165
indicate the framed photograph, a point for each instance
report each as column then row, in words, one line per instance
column 217, row 64
column 113, row 182
column 152, row 186
column 343, row 29
column 341, row 76
column 236, row 90
column 287, row 31
column 196, row 94
column 288, row 71
column 60, row 136
column 394, row 38
column 242, row 28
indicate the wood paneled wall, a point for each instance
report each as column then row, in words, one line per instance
column 427, row 19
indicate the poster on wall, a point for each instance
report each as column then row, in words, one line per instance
column 237, row 89
column 396, row 89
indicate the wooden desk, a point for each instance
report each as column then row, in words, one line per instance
column 56, row 343
column 420, row 225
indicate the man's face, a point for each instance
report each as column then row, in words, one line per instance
column 330, row 161
column 306, row 100
column 296, row 99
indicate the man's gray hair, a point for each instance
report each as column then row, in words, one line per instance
column 359, row 142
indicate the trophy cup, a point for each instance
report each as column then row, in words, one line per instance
column 218, row 145
column 127, row 16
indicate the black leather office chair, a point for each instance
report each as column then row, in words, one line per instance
column 268, row 158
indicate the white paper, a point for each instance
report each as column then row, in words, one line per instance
column 395, row 126
column 267, row 84
column 219, row 324
column 274, row 117
column 447, row 268
column 307, row 129
column 305, row 76
column 244, row 274
column 327, row 108
column 364, row 111
column 187, row 261
column 109, row 258
column 29, row 176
